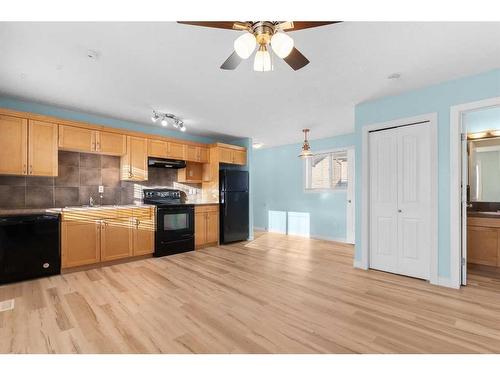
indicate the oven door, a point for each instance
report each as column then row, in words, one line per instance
column 175, row 223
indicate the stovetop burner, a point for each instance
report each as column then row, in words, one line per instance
column 163, row 196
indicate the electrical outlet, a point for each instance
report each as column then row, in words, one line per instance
column 101, row 189
column 7, row 305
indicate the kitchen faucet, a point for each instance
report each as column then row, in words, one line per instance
column 91, row 201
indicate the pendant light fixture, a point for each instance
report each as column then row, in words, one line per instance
column 306, row 148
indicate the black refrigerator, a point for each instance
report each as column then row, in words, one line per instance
column 233, row 194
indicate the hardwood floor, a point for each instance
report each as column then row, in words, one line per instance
column 276, row 294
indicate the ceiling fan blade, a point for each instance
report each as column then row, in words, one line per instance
column 232, row 62
column 301, row 25
column 296, row 59
column 231, row 25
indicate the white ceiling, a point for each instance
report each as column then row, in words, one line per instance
column 175, row 68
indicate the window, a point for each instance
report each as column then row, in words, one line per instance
column 327, row 171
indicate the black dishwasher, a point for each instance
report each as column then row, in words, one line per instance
column 29, row 247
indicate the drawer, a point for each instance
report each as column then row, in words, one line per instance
column 206, row 208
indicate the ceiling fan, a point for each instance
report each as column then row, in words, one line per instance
column 263, row 34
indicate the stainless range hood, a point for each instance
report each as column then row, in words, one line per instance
column 166, row 163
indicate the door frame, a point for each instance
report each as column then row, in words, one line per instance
column 458, row 245
column 430, row 118
column 350, row 218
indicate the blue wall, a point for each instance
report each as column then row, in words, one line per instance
column 486, row 119
column 278, row 185
column 48, row 110
column 438, row 98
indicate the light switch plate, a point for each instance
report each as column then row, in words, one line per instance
column 101, row 189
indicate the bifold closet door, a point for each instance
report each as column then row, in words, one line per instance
column 400, row 196
column 383, row 200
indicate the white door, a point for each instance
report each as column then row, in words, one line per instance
column 400, row 200
column 350, row 213
column 383, row 201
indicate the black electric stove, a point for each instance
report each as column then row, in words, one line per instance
column 174, row 221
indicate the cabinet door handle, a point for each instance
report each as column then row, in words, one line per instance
column 24, row 169
column 31, row 169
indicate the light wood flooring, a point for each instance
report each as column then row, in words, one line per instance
column 276, row 294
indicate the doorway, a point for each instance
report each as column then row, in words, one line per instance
column 399, row 191
column 481, row 190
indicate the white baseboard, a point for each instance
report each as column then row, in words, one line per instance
column 359, row 264
column 315, row 237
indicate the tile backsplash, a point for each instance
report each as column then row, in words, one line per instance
column 80, row 175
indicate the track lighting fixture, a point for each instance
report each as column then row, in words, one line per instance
column 163, row 117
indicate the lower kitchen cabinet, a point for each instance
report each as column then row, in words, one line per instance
column 206, row 225
column 101, row 235
column 143, row 236
column 116, row 239
column 80, row 242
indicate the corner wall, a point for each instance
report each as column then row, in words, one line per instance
column 432, row 99
column 278, row 185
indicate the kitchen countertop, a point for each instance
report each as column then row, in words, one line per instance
column 23, row 211
column 489, row 214
column 35, row 211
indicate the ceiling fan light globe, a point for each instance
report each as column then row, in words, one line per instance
column 164, row 122
column 282, row 44
column 262, row 62
column 244, row 45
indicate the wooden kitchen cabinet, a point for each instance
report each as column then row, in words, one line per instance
column 42, row 148
column 193, row 173
column 206, row 225
column 13, row 145
column 213, row 226
column 134, row 164
column 232, row 155
column 176, row 151
column 157, row 149
column 113, row 144
column 80, row 243
column 239, row 157
column 143, row 236
column 200, row 228
column 28, row 147
column 197, row 153
column 225, row 155
column 72, row 138
column 116, row 239
column 95, row 235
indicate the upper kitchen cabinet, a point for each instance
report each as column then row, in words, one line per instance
column 111, row 143
column 157, row 149
column 176, row 151
column 72, row 138
column 42, row 148
column 134, row 164
column 197, row 153
column 13, row 145
column 27, row 147
column 230, row 154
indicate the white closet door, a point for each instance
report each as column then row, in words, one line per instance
column 414, row 199
column 383, row 200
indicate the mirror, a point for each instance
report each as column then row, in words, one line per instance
column 484, row 170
